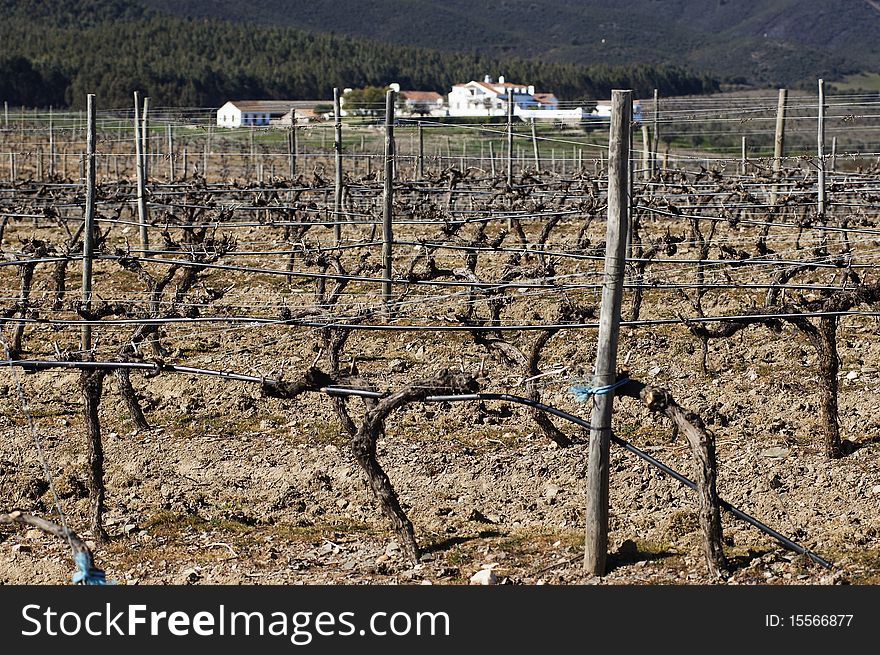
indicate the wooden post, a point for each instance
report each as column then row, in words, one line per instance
column 744, row 162
column 421, row 152
column 821, row 152
column 89, row 227
column 252, row 159
column 169, row 130
column 12, row 173
column 535, row 147
column 629, row 191
column 6, row 114
column 834, row 154
column 509, row 138
column 337, row 153
column 183, row 164
column 655, row 141
column 491, row 159
column 778, row 144
column 291, row 145
column 51, row 145
column 388, row 197
column 646, row 154
column 596, row 533
column 145, row 138
column 141, row 175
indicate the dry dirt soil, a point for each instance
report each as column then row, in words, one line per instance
column 234, row 488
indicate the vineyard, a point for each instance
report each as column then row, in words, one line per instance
column 277, row 361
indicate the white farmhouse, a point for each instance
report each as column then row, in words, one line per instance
column 489, row 98
column 262, row 113
column 421, row 103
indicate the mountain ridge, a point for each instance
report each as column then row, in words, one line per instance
column 55, row 54
column 761, row 42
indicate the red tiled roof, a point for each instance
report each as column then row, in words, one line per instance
column 274, row 106
column 421, row 96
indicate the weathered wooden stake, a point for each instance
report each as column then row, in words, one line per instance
column 510, row 138
column 337, row 154
column 291, row 145
column 778, row 144
column 596, row 533
column 145, row 138
column 491, row 159
column 744, row 161
column 834, row 154
column 655, row 142
column 535, row 147
column 169, row 131
column 89, row 228
column 140, row 167
column 51, row 145
column 388, row 197
column 421, row 152
column 646, row 154
column 821, row 152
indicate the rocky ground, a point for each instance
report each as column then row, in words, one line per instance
column 233, row 488
column 230, row 487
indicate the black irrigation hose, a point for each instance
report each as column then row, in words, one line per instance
column 785, row 541
column 34, row 365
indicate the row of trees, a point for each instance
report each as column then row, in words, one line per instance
column 58, row 55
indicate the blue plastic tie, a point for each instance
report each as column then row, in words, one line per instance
column 86, row 573
column 582, row 393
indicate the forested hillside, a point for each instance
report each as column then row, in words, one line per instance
column 756, row 41
column 56, row 53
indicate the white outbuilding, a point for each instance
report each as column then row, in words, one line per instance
column 262, row 113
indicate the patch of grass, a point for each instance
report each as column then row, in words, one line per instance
column 167, row 523
column 858, row 82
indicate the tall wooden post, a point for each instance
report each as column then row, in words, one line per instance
column 51, row 145
column 388, row 197
column 629, row 190
column 510, row 138
column 646, row 154
column 140, row 168
column 834, row 154
column 655, row 141
column 89, row 227
column 778, row 144
column 252, row 159
column 744, row 162
column 535, row 147
column 491, row 159
column 596, row 533
column 5, row 114
column 821, row 151
column 337, row 152
column 421, row 152
column 291, row 145
column 184, row 163
column 169, row 133
column 145, row 138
